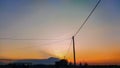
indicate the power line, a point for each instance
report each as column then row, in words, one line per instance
column 31, row 39
column 87, row 18
column 74, row 55
column 50, row 43
column 28, row 47
column 68, row 49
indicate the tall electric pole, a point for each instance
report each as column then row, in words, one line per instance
column 74, row 52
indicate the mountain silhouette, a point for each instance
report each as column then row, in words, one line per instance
column 49, row 61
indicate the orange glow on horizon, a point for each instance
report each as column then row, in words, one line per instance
column 112, row 56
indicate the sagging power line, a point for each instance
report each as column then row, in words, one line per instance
column 32, row 39
column 74, row 53
column 85, row 21
column 68, row 49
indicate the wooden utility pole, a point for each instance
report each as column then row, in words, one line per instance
column 74, row 51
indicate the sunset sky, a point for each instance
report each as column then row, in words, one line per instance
column 38, row 29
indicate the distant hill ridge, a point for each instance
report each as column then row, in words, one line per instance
column 49, row 61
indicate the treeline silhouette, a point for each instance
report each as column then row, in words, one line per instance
column 59, row 64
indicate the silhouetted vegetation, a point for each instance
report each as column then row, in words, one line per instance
column 59, row 64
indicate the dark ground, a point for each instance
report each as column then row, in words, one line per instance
column 54, row 66
column 59, row 64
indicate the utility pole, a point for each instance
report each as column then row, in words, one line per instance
column 74, row 51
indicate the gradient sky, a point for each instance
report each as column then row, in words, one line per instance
column 54, row 22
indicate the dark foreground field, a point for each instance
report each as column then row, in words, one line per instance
column 54, row 66
column 58, row 64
